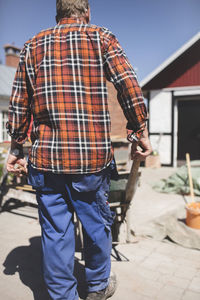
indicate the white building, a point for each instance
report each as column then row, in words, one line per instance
column 7, row 73
column 173, row 94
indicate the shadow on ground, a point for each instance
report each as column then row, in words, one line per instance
column 26, row 260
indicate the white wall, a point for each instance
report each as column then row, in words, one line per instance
column 1, row 133
column 160, row 122
column 164, row 147
column 4, row 103
column 160, row 111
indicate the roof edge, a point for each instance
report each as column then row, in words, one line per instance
column 170, row 59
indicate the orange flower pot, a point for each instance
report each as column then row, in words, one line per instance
column 193, row 215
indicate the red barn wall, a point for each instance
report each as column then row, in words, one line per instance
column 184, row 71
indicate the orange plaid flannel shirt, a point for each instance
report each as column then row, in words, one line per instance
column 61, row 82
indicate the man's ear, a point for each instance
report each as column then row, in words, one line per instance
column 87, row 15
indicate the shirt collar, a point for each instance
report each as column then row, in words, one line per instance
column 71, row 20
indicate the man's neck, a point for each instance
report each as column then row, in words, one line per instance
column 83, row 19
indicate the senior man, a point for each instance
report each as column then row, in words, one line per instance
column 61, row 82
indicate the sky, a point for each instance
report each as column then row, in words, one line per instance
column 148, row 30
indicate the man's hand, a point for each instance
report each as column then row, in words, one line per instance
column 16, row 165
column 144, row 144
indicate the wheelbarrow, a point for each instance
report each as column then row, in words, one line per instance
column 121, row 195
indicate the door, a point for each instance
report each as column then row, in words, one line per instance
column 189, row 129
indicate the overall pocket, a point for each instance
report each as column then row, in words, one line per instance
column 102, row 197
column 104, row 208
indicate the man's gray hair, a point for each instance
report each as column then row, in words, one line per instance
column 68, row 8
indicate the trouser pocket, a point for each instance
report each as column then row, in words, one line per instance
column 95, row 187
column 102, row 196
column 87, row 183
column 104, row 208
column 45, row 181
column 35, row 178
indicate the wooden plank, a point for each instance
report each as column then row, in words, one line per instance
column 25, row 188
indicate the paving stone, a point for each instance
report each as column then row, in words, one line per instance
column 161, row 258
column 134, row 253
column 194, row 253
column 170, row 292
column 141, row 252
column 198, row 274
column 149, row 288
column 195, row 285
column 185, row 272
column 149, row 244
column 131, row 257
column 179, row 282
column 134, row 296
column 150, row 264
column 187, row 262
column 190, row 295
column 181, row 252
column 194, row 257
column 164, row 278
column 166, row 268
column 138, row 259
column 154, row 260
column 148, row 274
column 166, row 248
column 174, row 281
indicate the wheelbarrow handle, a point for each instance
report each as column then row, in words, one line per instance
column 132, row 180
column 130, row 191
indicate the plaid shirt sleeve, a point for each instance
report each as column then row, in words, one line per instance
column 119, row 71
column 19, row 113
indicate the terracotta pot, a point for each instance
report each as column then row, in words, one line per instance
column 193, row 215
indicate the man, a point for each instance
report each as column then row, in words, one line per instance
column 61, row 81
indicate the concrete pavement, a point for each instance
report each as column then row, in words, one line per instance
column 148, row 269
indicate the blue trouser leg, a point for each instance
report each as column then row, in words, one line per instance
column 94, row 213
column 58, row 196
column 58, row 246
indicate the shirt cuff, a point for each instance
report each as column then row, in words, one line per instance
column 15, row 135
column 137, row 133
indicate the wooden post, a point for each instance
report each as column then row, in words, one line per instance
column 190, row 176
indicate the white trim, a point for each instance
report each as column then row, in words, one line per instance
column 183, row 91
column 175, row 137
column 1, row 131
column 182, row 88
column 170, row 59
column 187, row 93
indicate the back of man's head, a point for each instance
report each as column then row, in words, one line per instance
column 69, row 8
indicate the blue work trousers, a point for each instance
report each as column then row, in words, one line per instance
column 58, row 196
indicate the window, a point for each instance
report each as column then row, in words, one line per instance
column 5, row 136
